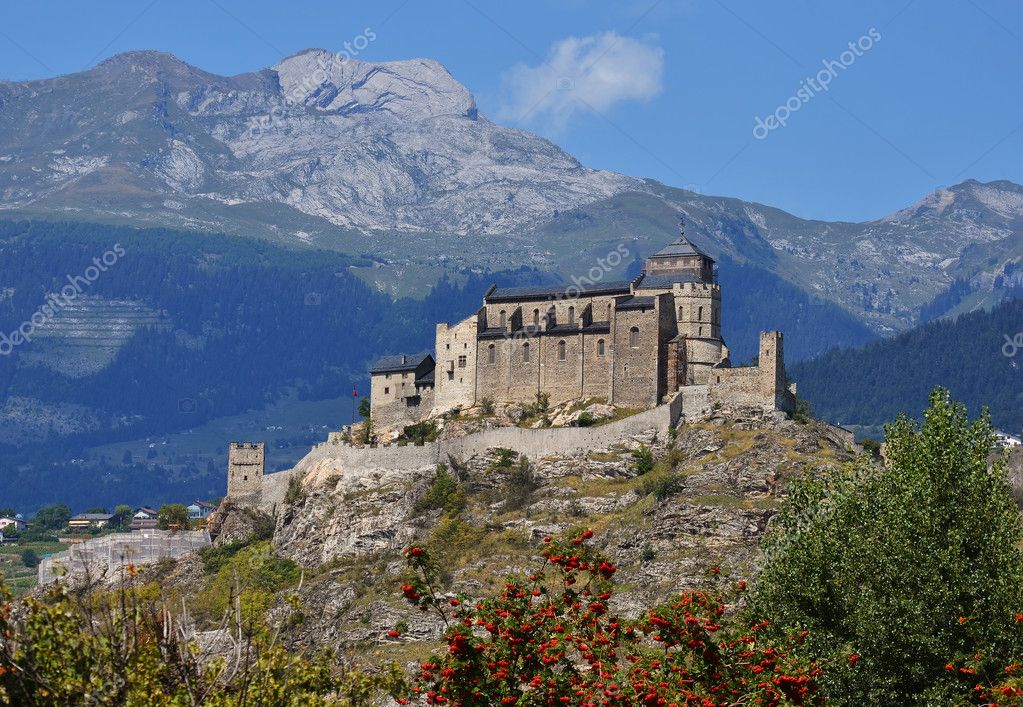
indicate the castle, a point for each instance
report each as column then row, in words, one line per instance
column 631, row 343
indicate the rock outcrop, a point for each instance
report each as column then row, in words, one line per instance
column 700, row 508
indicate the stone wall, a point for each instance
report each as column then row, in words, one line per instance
column 535, row 444
column 638, row 376
column 246, row 462
column 764, row 385
column 455, row 377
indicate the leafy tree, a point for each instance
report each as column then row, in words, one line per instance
column 29, row 557
column 126, row 648
column 52, row 517
column 364, row 408
column 908, row 577
column 172, row 515
column 552, row 638
column 123, row 515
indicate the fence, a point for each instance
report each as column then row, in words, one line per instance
column 104, row 555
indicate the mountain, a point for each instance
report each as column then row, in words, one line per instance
column 395, row 160
column 977, row 355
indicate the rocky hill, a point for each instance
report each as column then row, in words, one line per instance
column 699, row 504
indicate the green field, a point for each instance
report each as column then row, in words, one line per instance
column 16, row 575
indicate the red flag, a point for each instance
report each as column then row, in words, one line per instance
column 355, row 392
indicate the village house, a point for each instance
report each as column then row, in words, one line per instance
column 88, row 521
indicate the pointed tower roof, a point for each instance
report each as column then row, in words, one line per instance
column 680, row 246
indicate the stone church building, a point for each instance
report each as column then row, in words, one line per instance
column 632, row 343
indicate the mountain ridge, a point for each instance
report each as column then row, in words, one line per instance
column 395, row 159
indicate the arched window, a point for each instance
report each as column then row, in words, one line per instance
column 525, row 352
column 681, row 315
column 561, row 350
column 609, row 311
column 536, row 317
column 552, row 317
column 634, row 337
column 699, row 314
column 571, row 316
column 491, row 354
column 504, row 319
column 600, row 347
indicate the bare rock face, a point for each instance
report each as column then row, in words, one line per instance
column 693, row 520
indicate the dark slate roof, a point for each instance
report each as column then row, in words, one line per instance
column 563, row 329
column 426, row 379
column 514, row 294
column 494, row 332
column 635, row 303
column 598, row 328
column 396, row 364
column 680, row 246
column 664, row 282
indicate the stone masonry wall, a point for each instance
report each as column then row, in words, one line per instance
column 246, row 462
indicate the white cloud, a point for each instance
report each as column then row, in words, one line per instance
column 582, row 74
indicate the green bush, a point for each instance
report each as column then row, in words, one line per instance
column 871, row 446
column 444, row 493
column 29, row 557
column 662, row 487
column 421, row 432
column 585, row 419
column 505, row 458
column 487, row 406
column 519, row 486
column 642, row 460
column 295, row 492
column 914, row 568
column 254, row 574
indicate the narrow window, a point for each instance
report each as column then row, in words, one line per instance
column 681, row 316
column 552, row 317
column 600, row 347
column 634, row 337
column 504, row 319
column 525, row 353
column 561, row 350
column 701, row 331
column 571, row 316
column 699, row 314
column 491, row 354
column 536, row 317
column 387, row 391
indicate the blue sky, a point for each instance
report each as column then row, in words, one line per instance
column 930, row 95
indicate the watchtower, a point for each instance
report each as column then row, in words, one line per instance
column 246, row 462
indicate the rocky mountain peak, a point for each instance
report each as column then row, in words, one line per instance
column 414, row 89
column 148, row 63
column 968, row 198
